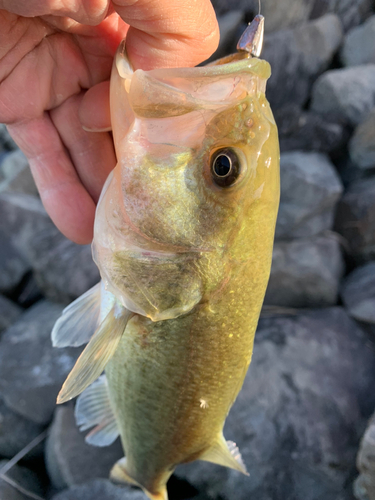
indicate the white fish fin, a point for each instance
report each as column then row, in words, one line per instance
column 93, row 408
column 78, row 321
column 119, row 474
column 96, row 355
column 225, row 453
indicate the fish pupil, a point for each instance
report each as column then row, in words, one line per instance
column 222, row 165
column 225, row 167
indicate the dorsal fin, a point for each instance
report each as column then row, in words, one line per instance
column 78, row 321
column 225, row 453
column 93, row 408
column 97, row 353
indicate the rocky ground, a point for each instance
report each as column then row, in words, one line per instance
column 301, row 417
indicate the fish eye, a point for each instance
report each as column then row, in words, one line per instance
column 225, row 167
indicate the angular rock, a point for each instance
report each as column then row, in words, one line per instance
column 362, row 144
column 307, row 131
column 31, row 370
column 358, row 293
column 15, row 431
column 300, row 412
column 13, row 265
column 359, row 44
column 364, row 488
column 63, row 269
column 345, row 95
column 310, row 190
column 305, row 273
column 101, row 489
column 24, row 477
column 9, row 313
column 298, row 56
column 69, row 459
column 355, row 219
column 17, row 174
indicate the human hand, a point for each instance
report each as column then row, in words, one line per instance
column 55, row 62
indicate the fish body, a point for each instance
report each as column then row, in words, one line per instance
column 183, row 240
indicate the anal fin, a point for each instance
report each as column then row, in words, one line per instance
column 225, row 453
column 119, row 474
column 93, row 408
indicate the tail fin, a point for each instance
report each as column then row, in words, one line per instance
column 119, row 474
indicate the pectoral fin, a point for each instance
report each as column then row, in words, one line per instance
column 93, row 408
column 96, row 355
column 78, row 321
column 225, row 453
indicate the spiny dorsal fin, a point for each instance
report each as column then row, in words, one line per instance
column 78, row 321
column 225, row 453
column 93, row 408
column 96, row 355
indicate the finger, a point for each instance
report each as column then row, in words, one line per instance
column 165, row 33
column 92, row 154
column 93, row 117
column 66, row 200
column 90, row 12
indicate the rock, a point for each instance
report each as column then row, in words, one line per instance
column 31, row 370
column 100, row 489
column 358, row 293
column 359, row 44
column 9, row 312
column 346, row 95
column 362, row 144
column 305, row 273
column 355, row 219
column 15, row 431
column 364, row 488
column 300, row 412
column 307, row 131
column 288, row 13
column 17, row 174
column 63, row 269
column 310, row 190
column 24, row 477
column 298, row 56
column 6, row 142
column 13, row 265
column 69, row 459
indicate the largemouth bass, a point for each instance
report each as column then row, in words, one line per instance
column 183, row 239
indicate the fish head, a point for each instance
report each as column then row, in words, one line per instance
column 193, row 159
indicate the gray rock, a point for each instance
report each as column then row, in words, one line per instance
column 362, row 144
column 345, row 95
column 310, row 190
column 288, row 13
column 63, row 269
column 307, row 131
column 31, row 370
column 6, row 142
column 9, row 312
column 364, row 488
column 300, row 412
column 100, row 489
column 69, row 459
column 298, row 56
column 358, row 293
column 355, row 219
column 15, row 431
column 17, row 174
column 359, row 44
column 24, row 477
column 13, row 265
column 305, row 273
